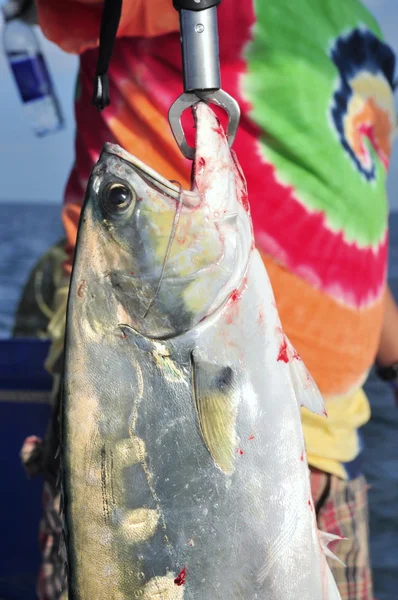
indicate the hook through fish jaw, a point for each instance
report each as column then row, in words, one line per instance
column 200, row 68
column 189, row 99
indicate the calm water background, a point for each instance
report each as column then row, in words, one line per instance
column 26, row 231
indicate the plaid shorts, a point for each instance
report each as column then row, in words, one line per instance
column 342, row 509
column 51, row 582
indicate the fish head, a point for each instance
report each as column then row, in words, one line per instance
column 161, row 257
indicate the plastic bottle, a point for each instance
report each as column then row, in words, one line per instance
column 30, row 72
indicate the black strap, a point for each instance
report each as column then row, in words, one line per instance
column 109, row 24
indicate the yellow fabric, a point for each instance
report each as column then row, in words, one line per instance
column 333, row 441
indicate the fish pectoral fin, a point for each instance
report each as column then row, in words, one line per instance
column 305, row 388
column 216, row 398
column 326, row 538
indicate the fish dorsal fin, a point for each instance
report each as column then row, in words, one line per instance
column 305, row 388
column 325, row 539
column 216, row 400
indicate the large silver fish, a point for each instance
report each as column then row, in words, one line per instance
column 185, row 474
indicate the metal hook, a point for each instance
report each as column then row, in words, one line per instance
column 188, row 99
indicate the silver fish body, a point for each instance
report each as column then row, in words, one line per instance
column 185, row 475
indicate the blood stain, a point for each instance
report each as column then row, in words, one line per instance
column 251, row 437
column 245, row 202
column 233, row 299
column 202, row 162
column 235, row 295
column 302, row 456
column 181, row 577
column 218, row 129
column 296, row 355
column 239, row 451
column 283, row 352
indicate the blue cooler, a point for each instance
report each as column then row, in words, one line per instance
column 24, row 410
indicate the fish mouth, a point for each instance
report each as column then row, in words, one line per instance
column 153, row 178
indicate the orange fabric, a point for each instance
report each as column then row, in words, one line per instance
column 74, row 24
column 320, row 327
column 138, row 119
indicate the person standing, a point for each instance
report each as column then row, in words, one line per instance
column 315, row 84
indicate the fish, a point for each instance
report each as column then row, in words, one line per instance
column 184, row 470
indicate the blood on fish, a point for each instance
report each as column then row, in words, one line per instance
column 239, row 451
column 283, row 352
column 302, row 456
column 230, row 319
column 218, row 129
column 235, row 295
column 123, row 336
column 245, row 202
column 260, row 317
column 310, row 504
column 181, row 577
column 202, row 162
column 251, row 437
column 296, row 355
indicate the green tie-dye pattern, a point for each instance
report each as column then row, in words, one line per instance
column 290, row 83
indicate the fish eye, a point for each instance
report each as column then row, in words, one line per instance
column 117, row 198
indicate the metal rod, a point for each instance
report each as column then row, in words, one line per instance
column 200, row 52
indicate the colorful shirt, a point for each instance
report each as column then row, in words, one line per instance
column 314, row 82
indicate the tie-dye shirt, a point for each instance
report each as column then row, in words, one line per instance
column 314, row 82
